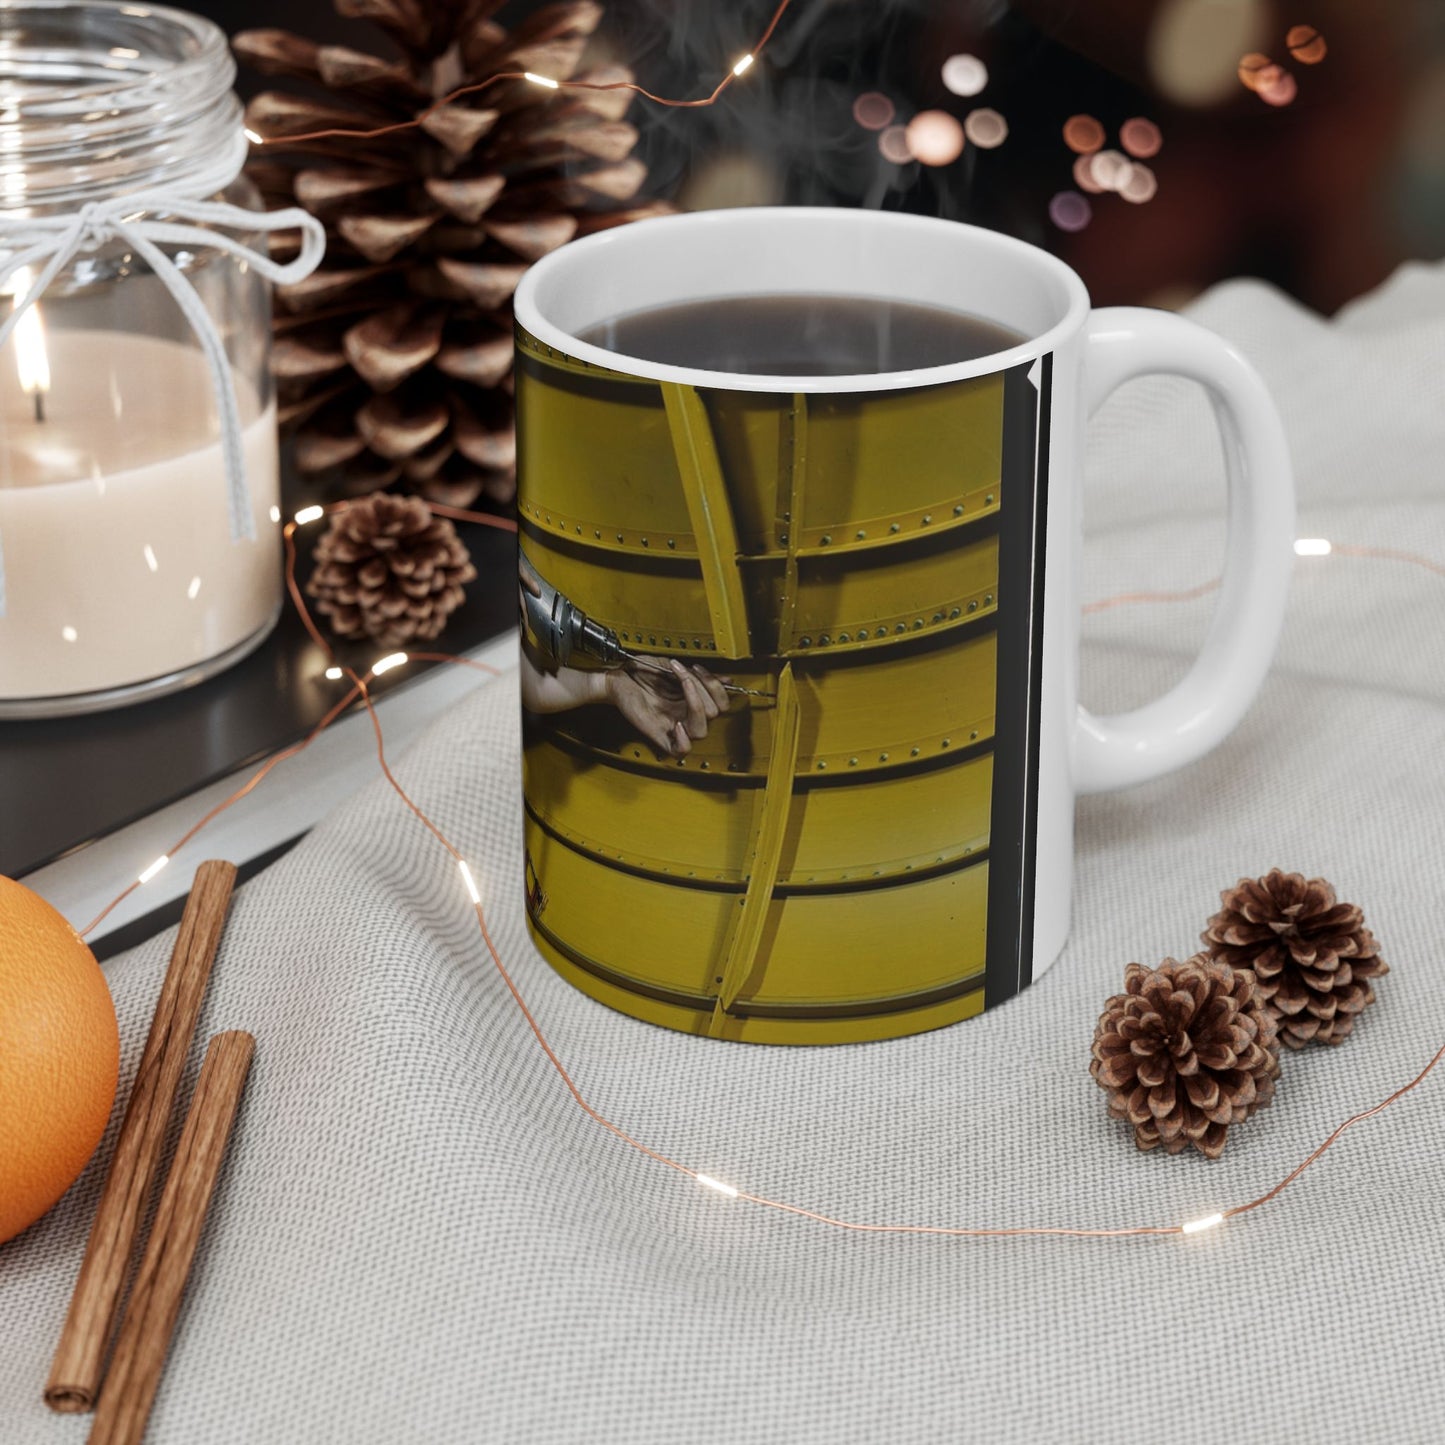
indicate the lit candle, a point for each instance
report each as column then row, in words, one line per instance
column 113, row 514
column 32, row 361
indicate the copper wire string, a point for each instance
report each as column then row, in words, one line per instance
column 1189, row 594
column 1349, row 1123
column 254, row 781
column 344, row 132
column 360, row 690
column 1129, row 599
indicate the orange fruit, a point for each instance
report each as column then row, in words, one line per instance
column 59, row 1056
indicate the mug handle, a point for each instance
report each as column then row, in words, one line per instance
column 1123, row 342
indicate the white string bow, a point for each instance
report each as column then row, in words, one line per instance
column 52, row 242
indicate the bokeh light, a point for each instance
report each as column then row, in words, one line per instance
column 1141, row 184
column 873, row 110
column 935, row 137
column 1194, row 46
column 1070, row 211
column 894, row 145
column 964, row 74
column 1084, row 175
column 1306, row 44
column 1140, row 137
column 1083, row 134
column 1252, row 67
column 1110, row 169
column 985, row 128
column 1279, row 89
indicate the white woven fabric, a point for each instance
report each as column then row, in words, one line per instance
column 419, row 1237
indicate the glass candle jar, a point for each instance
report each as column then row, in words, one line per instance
column 130, row 567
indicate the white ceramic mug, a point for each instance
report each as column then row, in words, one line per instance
column 592, row 423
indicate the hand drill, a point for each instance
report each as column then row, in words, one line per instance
column 561, row 631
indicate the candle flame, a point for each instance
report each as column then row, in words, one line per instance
column 32, row 361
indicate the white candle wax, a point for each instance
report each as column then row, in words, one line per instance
column 119, row 562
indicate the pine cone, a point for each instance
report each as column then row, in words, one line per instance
column 1185, row 1051
column 393, row 361
column 388, row 570
column 1312, row 956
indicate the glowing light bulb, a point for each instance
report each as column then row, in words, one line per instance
column 964, row 74
column 545, row 80
column 743, row 63
column 1083, row 134
column 893, row 143
column 873, row 110
column 1280, row 89
column 256, row 140
column 985, row 128
column 1312, row 547
column 1069, row 211
column 1306, row 44
column 469, row 880
column 1140, row 137
column 1196, row 1226
column 155, row 868
column 708, row 1182
column 309, row 514
column 333, row 674
column 385, row 664
column 934, row 137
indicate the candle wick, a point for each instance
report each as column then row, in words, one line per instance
column 39, row 404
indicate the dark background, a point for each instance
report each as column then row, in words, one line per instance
column 1323, row 196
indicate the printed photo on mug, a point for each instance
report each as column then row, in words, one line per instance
column 796, row 716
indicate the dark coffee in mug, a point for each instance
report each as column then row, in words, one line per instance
column 802, row 335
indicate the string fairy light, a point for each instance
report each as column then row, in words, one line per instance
column 473, row 892
column 146, row 874
column 1198, row 1226
column 739, row 68
column 359, row 691
column 708, row 1182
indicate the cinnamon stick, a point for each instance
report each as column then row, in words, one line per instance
column 155, row 1298
column 79, row 1362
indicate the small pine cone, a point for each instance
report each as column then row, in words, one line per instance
column 388, row 570
column 1185, row 1051
column 1313, row 957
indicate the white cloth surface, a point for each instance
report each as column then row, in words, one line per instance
column 419, row 1237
